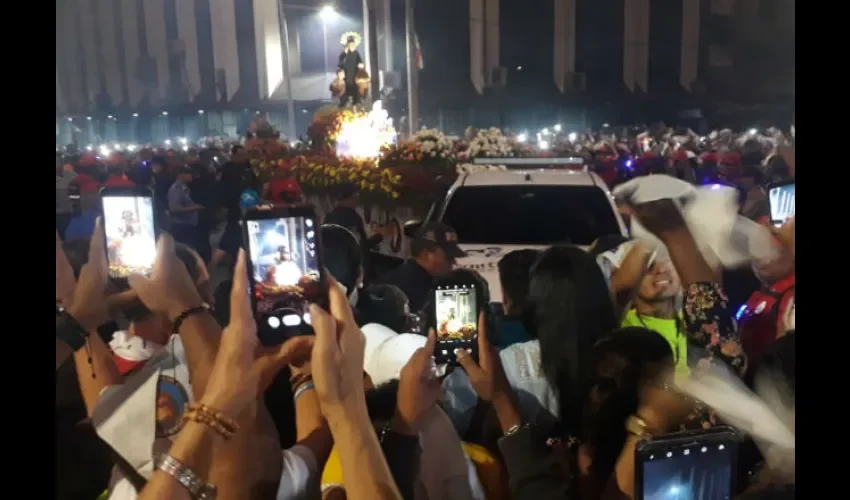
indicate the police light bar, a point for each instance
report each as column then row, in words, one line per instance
column 525, row 162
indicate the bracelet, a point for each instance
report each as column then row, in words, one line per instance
column 297, row 380
column 197, row 488
column 302, row 389
column 223, row 425
column 203, row 308
column 514, row 429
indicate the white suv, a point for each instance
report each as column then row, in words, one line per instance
column 531, row 204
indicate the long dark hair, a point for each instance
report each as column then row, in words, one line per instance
column 568, row 309
column 622, row 363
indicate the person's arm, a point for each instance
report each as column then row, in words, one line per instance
column 359, row 59
column 95, row 370
column 534, row 471
column 708, row 321
column 311, row 428
column 359, row 450
column 400, row 444
column 194, row 442
column 340, row 66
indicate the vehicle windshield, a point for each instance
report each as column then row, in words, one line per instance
column 530, row 215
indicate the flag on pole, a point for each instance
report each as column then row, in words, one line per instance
column 418, row 54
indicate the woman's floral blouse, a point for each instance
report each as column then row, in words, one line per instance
column 712, row 329
column 712, row 337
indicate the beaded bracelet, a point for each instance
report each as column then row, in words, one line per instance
column 216, row 420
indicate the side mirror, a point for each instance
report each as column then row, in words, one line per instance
column 411, row 227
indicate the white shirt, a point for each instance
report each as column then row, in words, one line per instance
column 141, row 418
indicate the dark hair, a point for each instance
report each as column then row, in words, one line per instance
column 777, row 168
column 235, row 149
column 344, row 191
column 384, row 304
column 607, row 243
column 515, row 275
column 568, row 309
column 343, row 255
column 381, row 401
column 752, row 153
column 623, row 363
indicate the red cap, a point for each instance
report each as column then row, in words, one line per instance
column 710, row 157
column 648, row 155
column 731, row 158
column 679, row 155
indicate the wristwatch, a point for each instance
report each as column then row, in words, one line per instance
column 69, row 330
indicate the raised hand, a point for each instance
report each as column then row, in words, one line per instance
column 242, row 366
column 419, row 389
column 88, row 304
column 337, row 359
column 170, row 289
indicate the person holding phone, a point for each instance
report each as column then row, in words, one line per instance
column 435, row 250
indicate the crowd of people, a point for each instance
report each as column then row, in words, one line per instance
column 164, row 390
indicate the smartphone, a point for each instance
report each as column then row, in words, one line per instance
column 128, row 224
column 455, row 314
column 782, row 202
column 693, row 465
column 286, row 269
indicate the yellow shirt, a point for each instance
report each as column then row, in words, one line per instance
column 667, row 328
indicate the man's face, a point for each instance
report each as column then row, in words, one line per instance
column 659, row 283
column 350, row 46
column 239, row 156
column 185, row 177
column 441, row 263
column 284, row 255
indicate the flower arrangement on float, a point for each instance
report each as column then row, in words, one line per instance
column 488, row 143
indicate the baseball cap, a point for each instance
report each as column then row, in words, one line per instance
column 439, row 235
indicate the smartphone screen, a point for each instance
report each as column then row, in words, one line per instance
column 782, row 203
column 128, row 223
column 694, row 470
column 286, row 270
column 456, row 314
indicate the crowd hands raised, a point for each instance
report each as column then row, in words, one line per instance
column 581, row 366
